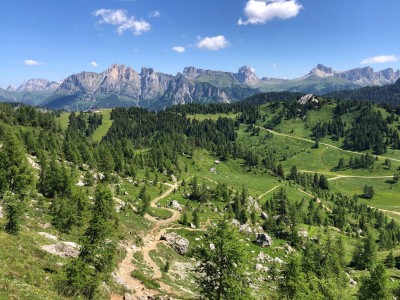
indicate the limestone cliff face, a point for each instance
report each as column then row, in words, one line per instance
column 153, row 84
column 36, row 85
column 121, row 85
column 150, row 89
column 360, row 76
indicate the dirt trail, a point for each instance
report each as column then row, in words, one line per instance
column 317, row 201
column 149, row 243
column 267, row 192
column 325, row 144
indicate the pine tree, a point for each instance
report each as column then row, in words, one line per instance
column 195, row 218
column 390, row 261
column 13, row 212
column 293, row 284
column 375, row 286
column 15, row 172
column 223, row 265
column 365, row 253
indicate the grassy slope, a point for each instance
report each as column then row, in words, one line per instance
column 33, row 271
column 99, row 132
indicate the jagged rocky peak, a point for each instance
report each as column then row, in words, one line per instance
column 322, row 71
column 247, row 75
column 398, row 81
column 153, row 84
column 38, row 85
column 11, row 88
column 120, row 73
column 192, row 72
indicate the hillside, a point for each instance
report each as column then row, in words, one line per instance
column 389, row 94
column 124, row 202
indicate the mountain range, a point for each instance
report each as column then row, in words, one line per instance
column 121, row 85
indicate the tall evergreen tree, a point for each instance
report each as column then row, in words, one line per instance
column 223, row 265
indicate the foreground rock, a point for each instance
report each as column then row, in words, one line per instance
column 263, row 240
column 176, row 242
column 48, row 236
column 63, row 249
column 175, row 205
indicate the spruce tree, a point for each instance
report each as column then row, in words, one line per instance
column 223, row 265
column 375, row 286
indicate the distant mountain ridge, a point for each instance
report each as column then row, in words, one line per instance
column 121, row 85
column 361, row 76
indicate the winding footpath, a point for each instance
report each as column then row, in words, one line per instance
column 150, row 243
column 321, row 143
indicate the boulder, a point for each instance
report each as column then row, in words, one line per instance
column 176, row 242
column 120, row 281
column 1, row 212
column 63, row 249
column 288, row 249
column 48, row 236
column 302, row 233
column 262, row 257
column 175, row 205
column 128, row 296
column 278, row 260
column 236, row 222
column 264, row 215
column 263, row 240
column 245, row 228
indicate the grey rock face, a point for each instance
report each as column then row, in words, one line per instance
column 176, row 242
column 38, row 85
column 263, row 240
column 246, row 75
column 63, row 249
column 361, row 76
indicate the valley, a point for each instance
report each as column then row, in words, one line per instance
column 170, row 176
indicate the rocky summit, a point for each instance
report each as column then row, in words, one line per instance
column 121, row 85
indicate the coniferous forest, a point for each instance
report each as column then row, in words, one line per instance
column 267, row 198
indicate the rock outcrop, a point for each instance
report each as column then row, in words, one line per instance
column 263, row 240
column 176, row 242
column 63, row 249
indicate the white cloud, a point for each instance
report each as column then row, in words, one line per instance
column 274, row 65
column 262, row 11
column 94, row 64
column 155, row 14
column 32, row 63
column 123, row 22
column 380, row 59
column 179, row 49
column 212, row 43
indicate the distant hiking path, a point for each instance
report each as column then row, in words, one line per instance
column 325, row 144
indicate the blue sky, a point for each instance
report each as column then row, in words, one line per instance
column 279, row 38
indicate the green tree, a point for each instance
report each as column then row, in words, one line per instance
column 195, row 218
column 365, row 253
column 280, row 172
column 293, row 285
column 13, row 211
column 323, row 183
column 375, row 287
column 223, row 264
column 390, row 260
column 15, row 172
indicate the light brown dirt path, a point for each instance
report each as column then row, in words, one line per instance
column 150, row 242
column 325, row 144
column 339, row 176
column 317, row 201
column 267, row 192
